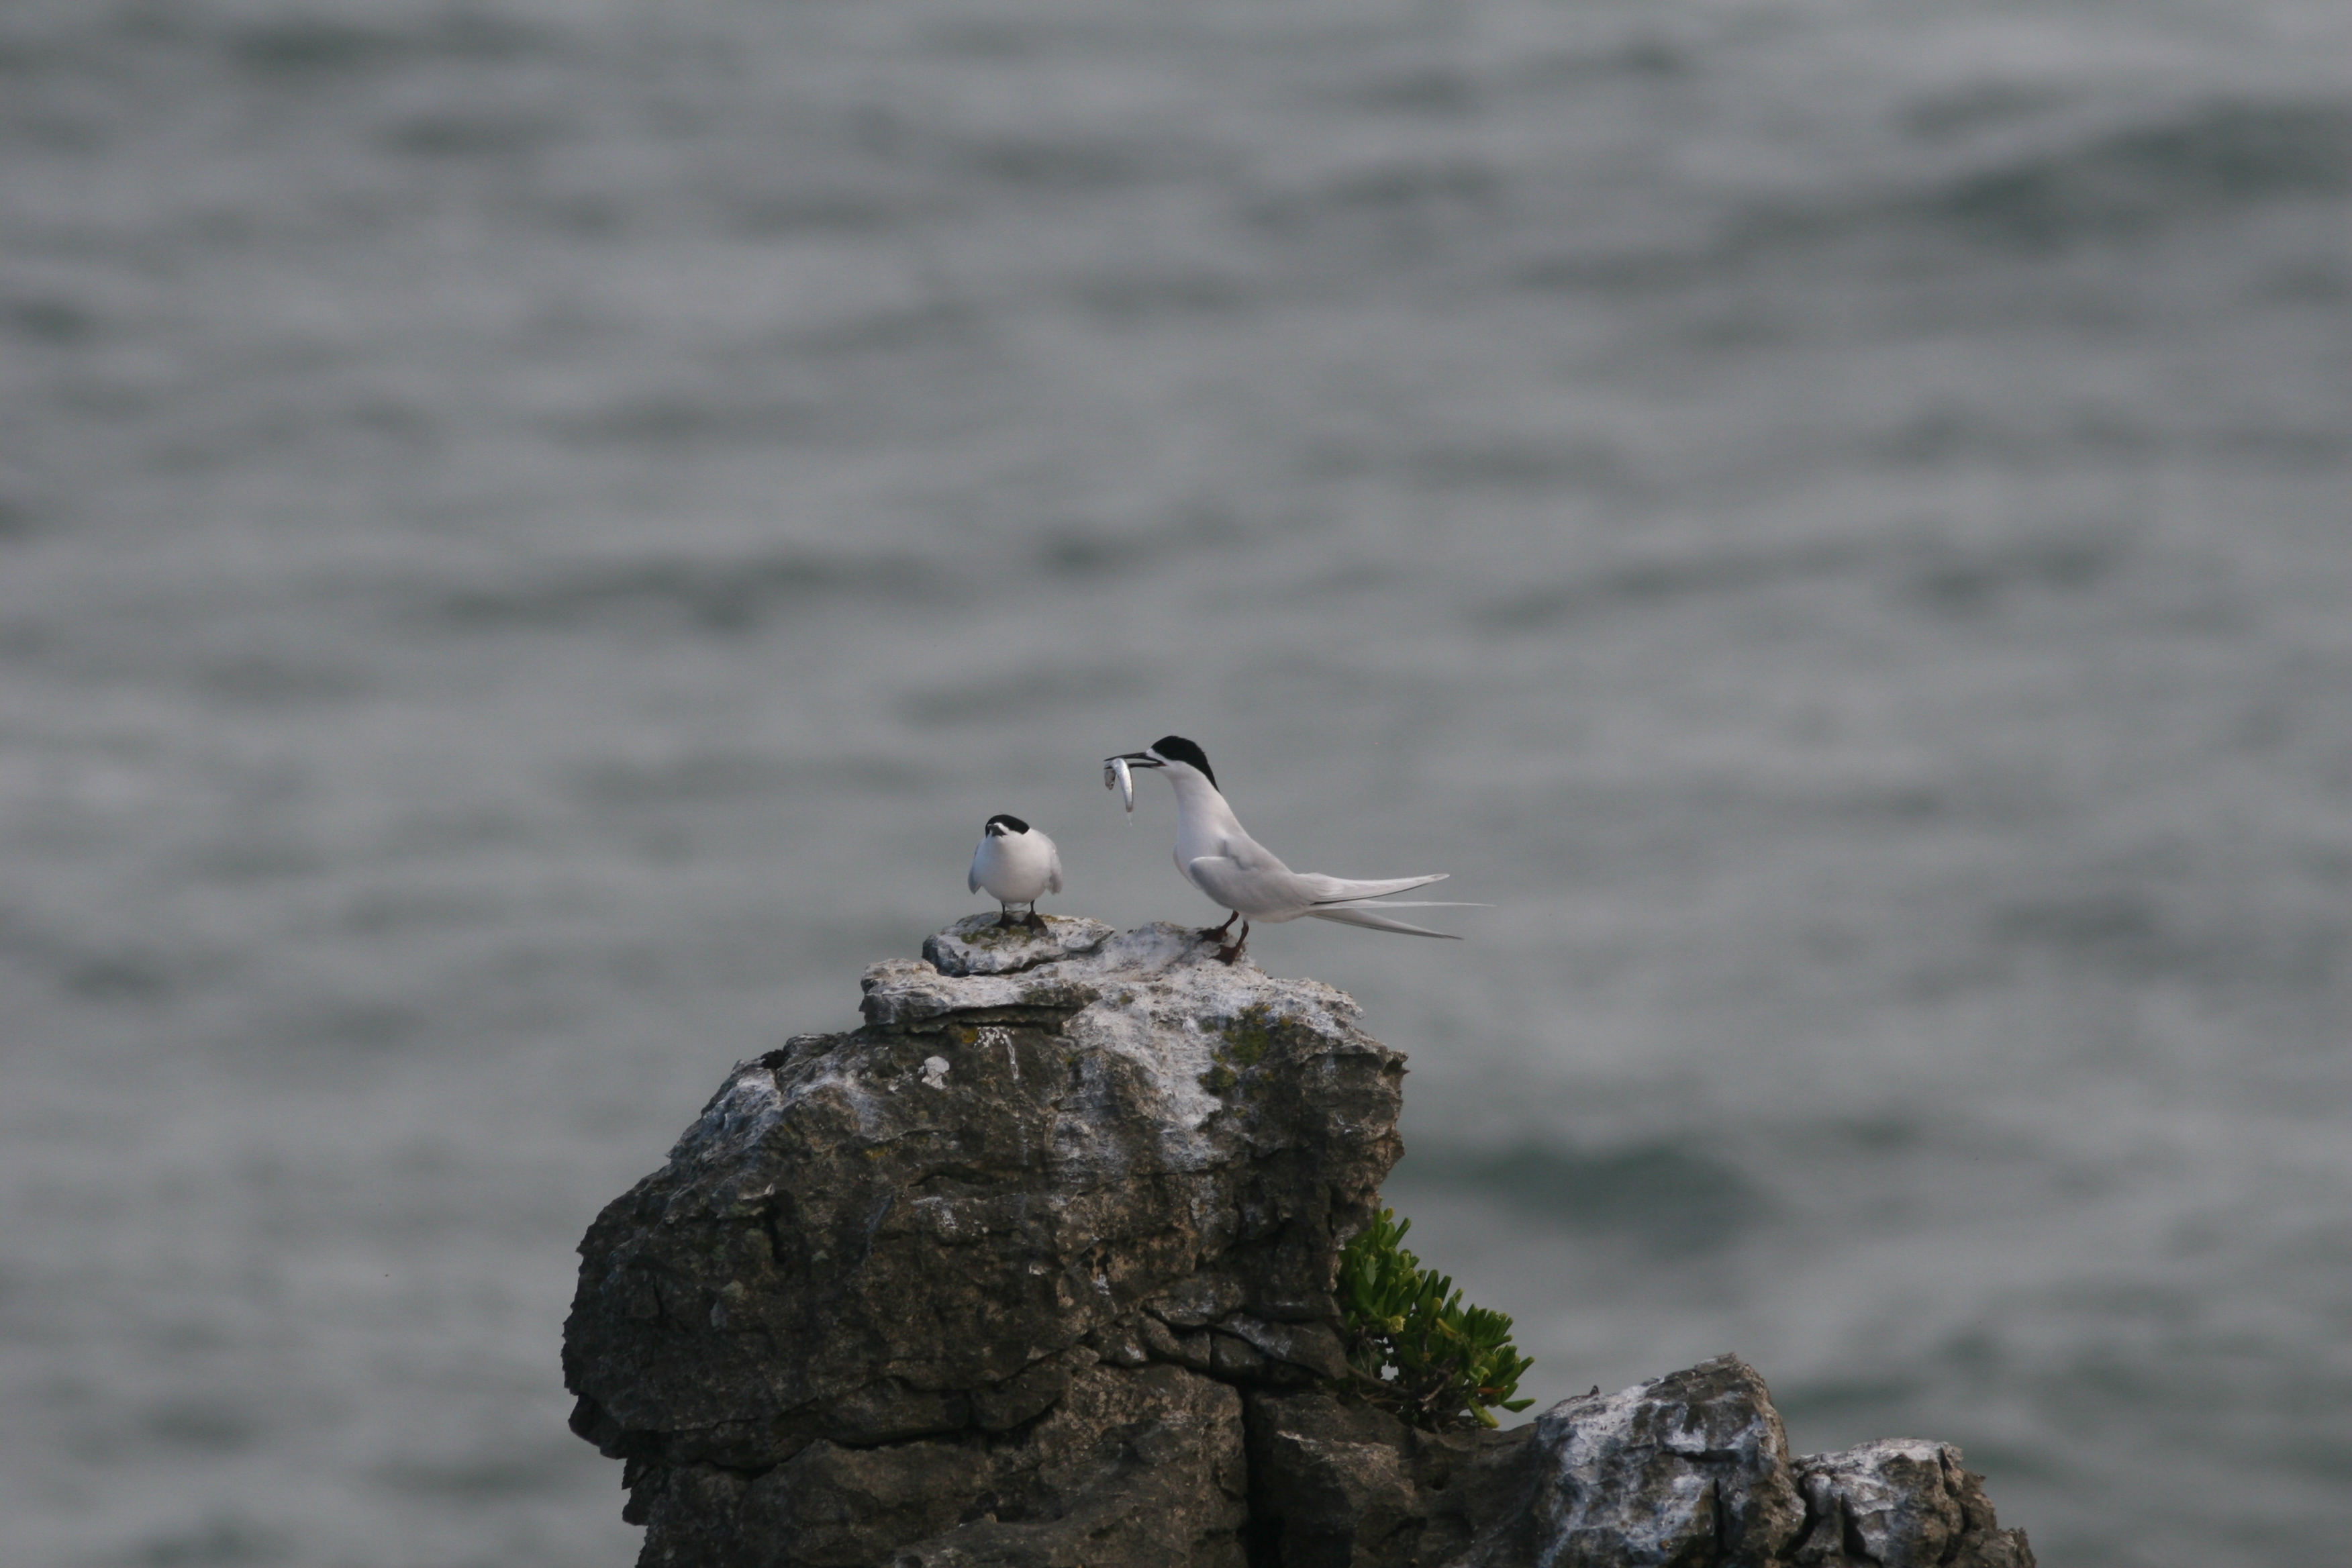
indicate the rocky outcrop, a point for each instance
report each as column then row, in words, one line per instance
column 1690, row 1469
column 980, row 1281
column 1034, row 1270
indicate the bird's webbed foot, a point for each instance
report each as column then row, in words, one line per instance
column 1004, row 918
column 1035, row 921
column 1228, row 954
column 1217, row 933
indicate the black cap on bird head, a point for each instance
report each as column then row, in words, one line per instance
column 1176, row 749
column 1004, row 822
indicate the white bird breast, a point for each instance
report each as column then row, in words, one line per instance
column 1117, row 776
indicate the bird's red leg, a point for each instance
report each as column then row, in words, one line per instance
column 1230, row 953
column 1219, row 932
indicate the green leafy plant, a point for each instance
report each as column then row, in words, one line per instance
column 1412, row 1346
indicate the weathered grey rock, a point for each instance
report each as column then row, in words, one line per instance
column 1034, row 1270
column 1341, row 1485
column 1690, row 1471
column 1689, row 1468
column 1130, row 1467
column 978, row 945
column 1901, row 1504
column 1144, row 1468
column 896, row 1281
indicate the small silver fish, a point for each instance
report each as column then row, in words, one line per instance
column 1116, row 776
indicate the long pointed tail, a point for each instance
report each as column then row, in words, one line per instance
column 1357, row 915
column 1341, row 889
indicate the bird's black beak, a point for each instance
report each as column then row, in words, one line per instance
column 1140, row 760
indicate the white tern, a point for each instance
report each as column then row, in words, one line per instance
column 1217, row 855
column 1016, row 864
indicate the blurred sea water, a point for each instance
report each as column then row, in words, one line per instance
column 533, row 535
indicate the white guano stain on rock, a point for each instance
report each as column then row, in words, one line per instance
column 1154, row 997
column 1673, row 1469
column 1901, row 1498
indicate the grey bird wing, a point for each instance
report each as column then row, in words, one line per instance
column 1325, row 889
column 1255, row 890
column 1354, row 915
column 1053, row 866
column 972, row 883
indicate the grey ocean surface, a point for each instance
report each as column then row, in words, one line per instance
column 535, row 534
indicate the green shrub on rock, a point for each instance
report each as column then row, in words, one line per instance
column 1414, row 1348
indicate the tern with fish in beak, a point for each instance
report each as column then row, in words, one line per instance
column 1217, row 855
column 1016, row 864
